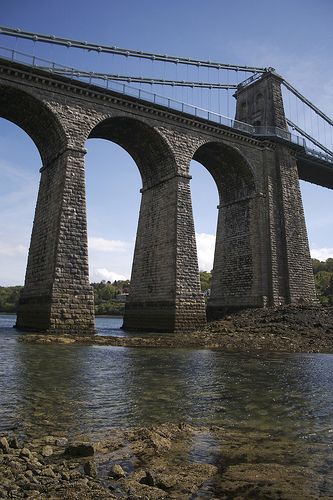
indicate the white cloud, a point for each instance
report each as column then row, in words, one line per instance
column 12, row 250
column 103, row 245
column 105, row 274
column 322, row 253
column 205, row 248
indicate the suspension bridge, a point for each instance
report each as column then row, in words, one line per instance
column 253, row 131
column 314, row 127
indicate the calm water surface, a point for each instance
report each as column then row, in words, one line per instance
column 89, row 389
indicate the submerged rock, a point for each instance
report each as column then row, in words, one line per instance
column 80, row 450
column 13, row 442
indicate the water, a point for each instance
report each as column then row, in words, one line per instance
column 276, row 401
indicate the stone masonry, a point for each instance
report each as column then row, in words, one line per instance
column 261, row 256
column 292, row 280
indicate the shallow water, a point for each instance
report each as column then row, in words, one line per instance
column 285, row 398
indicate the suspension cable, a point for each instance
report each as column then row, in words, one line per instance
column 306, row 101
column 307, row 136
column 37, row 37
column 137, row 79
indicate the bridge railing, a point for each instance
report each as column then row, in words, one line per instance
column 319, row 154
column 122, row 88
column 295, row 139
column 127, row 90
column 279, row 132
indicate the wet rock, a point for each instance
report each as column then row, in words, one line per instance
column 33, row 494
column 137, row 475
column 26, row 453
column 61, row 441
column 310, row 329
column 13, row 442
column 48, row 472
column 80, row 450
column 49, row 439
column 135, row 490
column 17, row 467
column 4, row 445
column 47, row 451
column 117, row 471
column 149, row 479
column 220, row 409
column 271, row 481
column 90, row 468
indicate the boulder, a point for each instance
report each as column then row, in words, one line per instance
column 47, row 451
column 4, row 445
column 90, row 468
column 26, row 453
column 117, row 471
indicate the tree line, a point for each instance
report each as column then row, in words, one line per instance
column 110, row 297
column 323, row 273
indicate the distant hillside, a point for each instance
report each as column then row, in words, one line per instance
column 107, row 294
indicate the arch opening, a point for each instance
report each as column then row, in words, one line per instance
column 235, row 264
column 205, row 199
column 151, row 304
column 19, row 178
column 231, row 172
column 145, row 145
column 113, row 185
column 316, row 202
column 35, row 118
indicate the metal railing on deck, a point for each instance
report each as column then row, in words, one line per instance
column 106, row 82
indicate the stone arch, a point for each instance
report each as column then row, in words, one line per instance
column 146, row 146
column 164, row 296
column 35, row 118
column 236, row 266
column 231, row 171
column 53, row 293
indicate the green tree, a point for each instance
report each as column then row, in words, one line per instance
column 205, row 280
column 9, row 296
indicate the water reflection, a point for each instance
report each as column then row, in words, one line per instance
column 86, row 389
column 105, row 386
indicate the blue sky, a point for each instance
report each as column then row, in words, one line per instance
column 295, row 37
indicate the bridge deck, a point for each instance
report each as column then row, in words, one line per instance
column 313, row 166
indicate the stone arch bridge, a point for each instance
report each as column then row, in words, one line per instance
column 262, row 256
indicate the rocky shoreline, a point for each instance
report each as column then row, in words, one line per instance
column 283, row 329
column 160, row 463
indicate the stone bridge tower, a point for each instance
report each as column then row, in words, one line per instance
column 260, row 104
